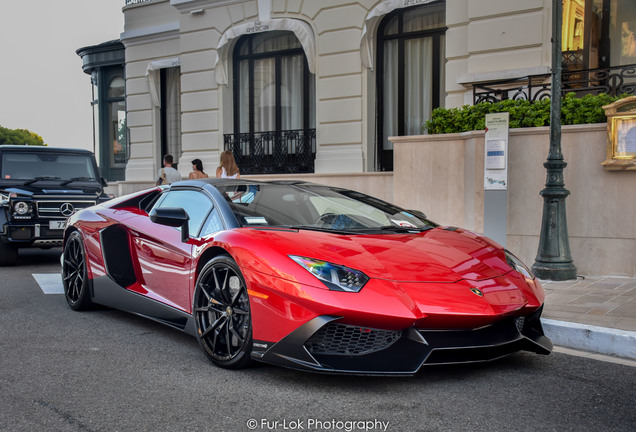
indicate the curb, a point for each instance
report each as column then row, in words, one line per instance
column 613, row 342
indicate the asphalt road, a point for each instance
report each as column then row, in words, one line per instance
column 106, row 370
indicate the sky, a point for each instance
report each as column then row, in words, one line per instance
column 42, row 85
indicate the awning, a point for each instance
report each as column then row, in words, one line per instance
column 301, row 29
column 367, row 41
column 153, row 66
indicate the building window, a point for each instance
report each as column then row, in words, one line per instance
column 410, row 81
column 274, row 105
column 105, row 64
column 170, row 112
column 598, row 33
column 118, row 130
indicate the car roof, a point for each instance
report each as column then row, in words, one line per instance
column 29, row 148
column 239, row 182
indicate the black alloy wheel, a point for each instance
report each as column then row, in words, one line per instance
column 222, row 314
column 74, row 273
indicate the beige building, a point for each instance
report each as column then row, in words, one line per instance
column 320, row 85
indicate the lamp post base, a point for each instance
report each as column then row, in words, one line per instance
column 554, row 261
column 554, row 271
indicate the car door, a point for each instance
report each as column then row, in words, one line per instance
column 164, row 259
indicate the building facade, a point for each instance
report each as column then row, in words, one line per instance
column 319, row 86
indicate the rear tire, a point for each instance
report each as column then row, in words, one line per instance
column 221, row 310
column 8, row 254
column 74, row 273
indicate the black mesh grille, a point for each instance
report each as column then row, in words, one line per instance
column 341, row 339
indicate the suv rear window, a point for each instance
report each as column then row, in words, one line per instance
column 24, row 166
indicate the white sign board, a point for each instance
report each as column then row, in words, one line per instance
column 496, row 152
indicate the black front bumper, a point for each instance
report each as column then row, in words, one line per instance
column 324, row 345
column 27, row 233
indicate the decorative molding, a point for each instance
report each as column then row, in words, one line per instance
column 371, row 22
column 303, row 31
column 468, row 79
column 187, row 6
column 150, row 34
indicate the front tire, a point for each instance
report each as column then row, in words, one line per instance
column 222, row 315
column 74, row 273
column 8, row 254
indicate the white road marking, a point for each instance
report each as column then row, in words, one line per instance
column 50, row 283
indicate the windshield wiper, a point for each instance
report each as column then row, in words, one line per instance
column 74, row 179
column 35, row 179
column 402, row 229
column 321, row 229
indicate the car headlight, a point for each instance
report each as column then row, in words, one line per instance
column 21, row 208
column 335, row 277
column 518, row 265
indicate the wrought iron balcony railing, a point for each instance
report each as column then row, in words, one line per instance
column 613, row 81
column 273, row 152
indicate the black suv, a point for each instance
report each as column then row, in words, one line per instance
column 40, row 187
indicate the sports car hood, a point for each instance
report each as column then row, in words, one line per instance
column 438, row 255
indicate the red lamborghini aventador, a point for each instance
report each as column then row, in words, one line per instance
column 305, row 276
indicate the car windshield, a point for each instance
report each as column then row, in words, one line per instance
column 46, row 166
column 316, row 207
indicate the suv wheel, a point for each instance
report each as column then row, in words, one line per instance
column 8, row 254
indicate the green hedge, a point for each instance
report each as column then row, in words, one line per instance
column 588, row 109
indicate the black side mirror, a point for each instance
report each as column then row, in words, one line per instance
column 174, row 217
column 103, row 181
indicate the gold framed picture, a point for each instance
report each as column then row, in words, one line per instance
column 624, row 137
column 621, row 134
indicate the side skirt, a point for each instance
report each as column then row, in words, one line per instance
column 106, row 292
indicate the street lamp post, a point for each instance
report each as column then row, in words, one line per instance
column 554, row 260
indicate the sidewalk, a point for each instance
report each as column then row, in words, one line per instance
column 596, row 314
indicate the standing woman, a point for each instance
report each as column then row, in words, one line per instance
column 227, row 168
column 197, row 170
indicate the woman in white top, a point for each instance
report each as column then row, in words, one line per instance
column 227, row 168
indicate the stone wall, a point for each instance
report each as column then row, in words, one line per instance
column 442, row 175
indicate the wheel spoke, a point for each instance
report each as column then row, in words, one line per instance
column 228, row 340
column 224, row 289
column 238, row 336
column 212, row 327
column 215, row 340
column 238, row 295
column 68, row 263
column 210, row 308
column 204, row 289
column 218, row 287
column 69, row 276
column 238, row 311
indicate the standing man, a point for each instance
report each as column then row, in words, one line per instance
column 167, row 174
